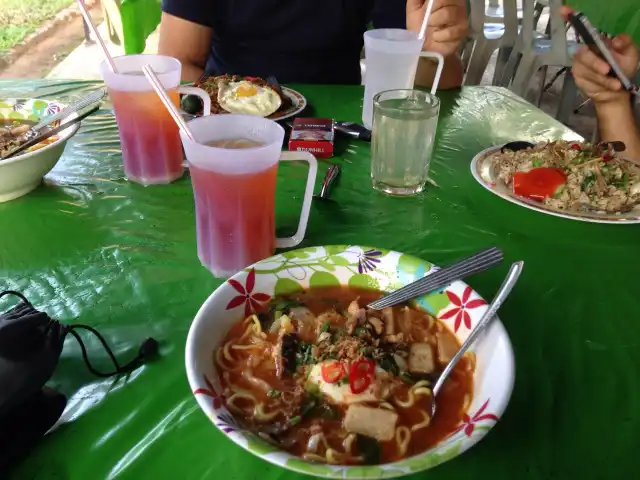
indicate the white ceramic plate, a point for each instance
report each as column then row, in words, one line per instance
column 298, row 104
column 483, row 172
column 458, row 305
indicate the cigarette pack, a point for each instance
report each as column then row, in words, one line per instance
column 313, row 135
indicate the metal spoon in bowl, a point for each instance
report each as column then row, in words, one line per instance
column 501, row 296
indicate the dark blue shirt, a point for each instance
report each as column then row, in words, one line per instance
column 306, row 41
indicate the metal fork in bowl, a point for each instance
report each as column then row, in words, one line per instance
column 476, row 263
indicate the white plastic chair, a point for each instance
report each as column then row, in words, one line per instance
column 539, row 52
column 489, row 31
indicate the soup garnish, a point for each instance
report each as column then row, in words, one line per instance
column 13, row 134
column 330, row 381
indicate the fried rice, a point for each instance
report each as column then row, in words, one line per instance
column 598, row 179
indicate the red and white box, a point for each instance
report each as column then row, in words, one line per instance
column 313, row 135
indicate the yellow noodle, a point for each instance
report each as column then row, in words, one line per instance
column 403, row 437
column 422, row 391
column 256, row 324
column 236, row 396
column 466, row 402
column 422, row 424
column 409, row 403
column 247, row 374
column 251, row 346
column 262, row 416
column 313, row 457
column 334, row 457
column 248, row 331
column 348, row 443
column 387, row 405
column 421, row 383
column 227, row 353
column 223, row 365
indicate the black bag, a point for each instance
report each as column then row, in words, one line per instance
column 30, row 346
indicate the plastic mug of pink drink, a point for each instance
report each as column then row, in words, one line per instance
column 151, row 149
column 233, row 165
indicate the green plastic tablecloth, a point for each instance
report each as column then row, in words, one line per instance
column 90, row 247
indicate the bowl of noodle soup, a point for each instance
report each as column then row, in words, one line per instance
column 288, row 362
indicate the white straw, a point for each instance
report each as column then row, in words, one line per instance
column 427, row 14
column 94, row 30
column 157, row 86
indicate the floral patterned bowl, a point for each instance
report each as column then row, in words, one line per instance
column 457, row 305
column 23, row 173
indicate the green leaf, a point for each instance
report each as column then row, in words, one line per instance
column 335, row 249
column 362, row 280
column 323, row 279
column 38, row 107
column 338, row 260
column 286, row 285
column 366, row 472
column 437, row 302
column 309, row 468
column 257, row 446
column 411, row 264
column 327, row 265
column 16, row 115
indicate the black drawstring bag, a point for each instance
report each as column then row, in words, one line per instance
column 30, row 346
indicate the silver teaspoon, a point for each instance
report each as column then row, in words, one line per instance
column 501, row 296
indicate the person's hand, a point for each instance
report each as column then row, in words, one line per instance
column 590, row 70
column 448, row 24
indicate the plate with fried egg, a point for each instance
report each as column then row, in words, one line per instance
column 247, row 96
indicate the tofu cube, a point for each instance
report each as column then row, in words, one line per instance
column 447, row 347
column 377, row 423
column 421, row 358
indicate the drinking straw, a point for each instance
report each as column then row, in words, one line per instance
column 94, row 30
column 427, row 14
column 157, row 86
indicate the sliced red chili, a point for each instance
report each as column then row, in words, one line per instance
column 332, row 372
column 361, row 375
column 607, row 158
column 576, row 146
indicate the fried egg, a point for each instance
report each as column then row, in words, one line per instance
column 340, row 392
column 244, row 97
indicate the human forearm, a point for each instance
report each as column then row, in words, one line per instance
column 616, row 122
column 191, row 72
column 452, row 72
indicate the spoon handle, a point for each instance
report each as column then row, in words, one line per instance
column 332, row 174
column 501, row 296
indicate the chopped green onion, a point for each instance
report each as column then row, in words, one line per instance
column 296, row 420
column 273, row 393
column 407, row 378
column 325, row 326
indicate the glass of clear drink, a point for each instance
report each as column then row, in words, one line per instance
column 233, row 164
column 402, row 140
column 151, row 149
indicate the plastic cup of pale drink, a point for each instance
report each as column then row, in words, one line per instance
column 391, row 59
column 233, row 164
column 151, row 149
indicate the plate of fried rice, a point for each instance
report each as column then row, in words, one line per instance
column 575, row 180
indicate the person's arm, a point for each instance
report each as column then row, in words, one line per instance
column 183, row 36
column 448, row 26
column 616, row 122
column 614, row 107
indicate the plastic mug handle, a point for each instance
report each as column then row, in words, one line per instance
column 198, row 92
column 308, row 196
column 436, row 79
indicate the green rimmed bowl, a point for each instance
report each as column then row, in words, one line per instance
column 23, row 173
column 458, row 305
